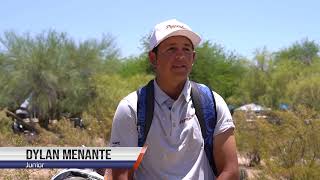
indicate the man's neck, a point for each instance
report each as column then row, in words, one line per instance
column 171, row 88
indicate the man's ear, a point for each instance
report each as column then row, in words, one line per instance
column 194, row 57
column 153, row 58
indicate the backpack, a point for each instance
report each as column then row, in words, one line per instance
column 205, row 107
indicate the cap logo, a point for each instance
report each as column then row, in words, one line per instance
column 175, row 26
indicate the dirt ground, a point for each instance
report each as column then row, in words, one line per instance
column 26, row 174
column 243, row 163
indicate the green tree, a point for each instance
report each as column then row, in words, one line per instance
column 253, row 82
column 52, row 67
column 136, row 65
column 305, row 91
column 304, row 51
column 217, row 68
column 299, row 60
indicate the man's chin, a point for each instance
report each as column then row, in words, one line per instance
column 181, row 76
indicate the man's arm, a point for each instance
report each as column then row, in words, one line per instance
column 225, row 155
column 123, row 134
column 122, row 174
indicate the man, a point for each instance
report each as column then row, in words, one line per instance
column 175, row 147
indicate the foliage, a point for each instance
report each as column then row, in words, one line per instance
column 216, row 68
column 305, row 91
column 136, row 65
column 282, row 77
column 52, row 67
column 110, row 90
column 251, row 137
column 288, row 149
column 304, row 51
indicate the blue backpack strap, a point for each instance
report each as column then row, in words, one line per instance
column 145, row 107
column 205, row 107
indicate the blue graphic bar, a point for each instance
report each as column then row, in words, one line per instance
column 66, row 164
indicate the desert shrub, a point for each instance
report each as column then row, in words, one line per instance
column 289, row 149
column 110, row 90
column 251, row 137
column 70, row 136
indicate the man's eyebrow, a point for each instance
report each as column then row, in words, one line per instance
column 172, row 44
column 185, row 44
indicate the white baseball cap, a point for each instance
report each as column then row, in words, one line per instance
column 171, row 28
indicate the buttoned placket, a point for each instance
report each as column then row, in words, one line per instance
column 175, row 113
column 170, row 103
column 164, row 113
column 170, row 108
column 173, row 116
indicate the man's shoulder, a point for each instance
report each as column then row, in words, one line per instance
column 131, row 97
column 215, row 94
column 219, row 101
column 130, row 100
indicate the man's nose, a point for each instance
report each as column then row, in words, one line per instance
column 180, row 54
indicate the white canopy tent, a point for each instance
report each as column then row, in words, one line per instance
column 251, row 107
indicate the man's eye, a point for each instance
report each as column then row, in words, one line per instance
column 187, row 49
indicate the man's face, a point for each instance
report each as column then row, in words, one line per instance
column 174, row 58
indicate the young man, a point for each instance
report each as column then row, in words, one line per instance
column 175, row 143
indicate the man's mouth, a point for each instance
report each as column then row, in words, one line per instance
column 179, row 66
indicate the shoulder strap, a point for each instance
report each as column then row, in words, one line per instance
column 145, row 108
column 205, row 107
column 196, row 100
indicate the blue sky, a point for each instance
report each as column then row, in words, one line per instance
column 240, row 26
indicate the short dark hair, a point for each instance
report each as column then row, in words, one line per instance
column 155, row 50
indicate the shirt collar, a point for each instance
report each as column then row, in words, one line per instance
column 161, row 96
column 186, row 91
